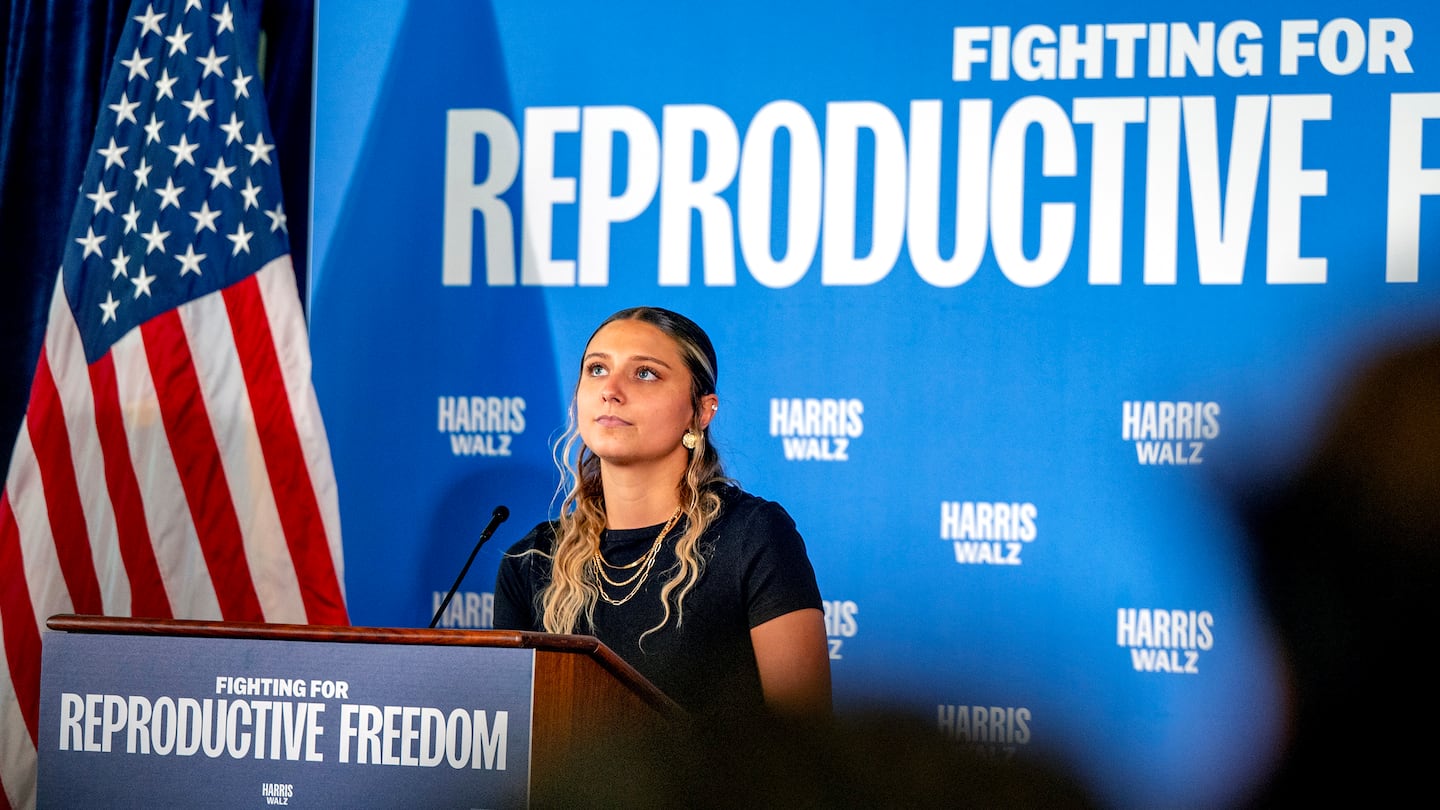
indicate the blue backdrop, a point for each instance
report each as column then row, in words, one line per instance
column 1008, row 303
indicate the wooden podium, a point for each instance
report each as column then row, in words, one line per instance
column 131, row 670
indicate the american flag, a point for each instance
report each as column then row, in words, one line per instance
column 172, row 462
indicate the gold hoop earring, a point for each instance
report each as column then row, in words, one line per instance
column 691, row 440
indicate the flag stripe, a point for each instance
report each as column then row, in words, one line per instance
column 17, row 751
column 172, row 532
column 210, row 333
column 17, row 621
column 65, row 354
column 287, row 326
column 51, row 440
column 19, row 675
column 284, row 459
column 197, row 459
column 37, row 548
column 147, row 589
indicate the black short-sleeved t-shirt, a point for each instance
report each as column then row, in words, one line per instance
column 756, row 569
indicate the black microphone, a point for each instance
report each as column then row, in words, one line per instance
column 499, row 516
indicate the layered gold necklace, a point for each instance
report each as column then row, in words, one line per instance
column 644, row 563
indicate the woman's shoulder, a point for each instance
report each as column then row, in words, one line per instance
column 541, row 537
column 746, row 508
column 759, row 541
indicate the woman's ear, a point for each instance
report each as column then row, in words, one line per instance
column 709, row 404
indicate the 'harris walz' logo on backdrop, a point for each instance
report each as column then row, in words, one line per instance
column 988, row 533
column 840, row 624
column 277, row 792
column 816, row 429
column 468, row 610
column 1169, row 433
column 991, row 730
column 1165, row 640
column 481, row 426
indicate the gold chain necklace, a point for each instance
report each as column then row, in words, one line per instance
column 644, row 562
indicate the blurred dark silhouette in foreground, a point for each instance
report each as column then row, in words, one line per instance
column 880, row 760
column 1346, row 554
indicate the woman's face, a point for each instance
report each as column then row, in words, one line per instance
column 633, row 401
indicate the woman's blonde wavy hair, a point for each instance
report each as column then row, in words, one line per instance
column 573, row 589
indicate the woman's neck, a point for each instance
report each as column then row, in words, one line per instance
column 635, row 498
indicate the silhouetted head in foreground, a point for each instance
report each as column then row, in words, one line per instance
column 1347, row 552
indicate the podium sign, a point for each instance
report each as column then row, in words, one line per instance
column 244, row 723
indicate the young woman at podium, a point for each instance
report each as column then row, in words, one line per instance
column 704, row 588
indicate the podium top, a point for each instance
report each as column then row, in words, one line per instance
column 546, row 642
